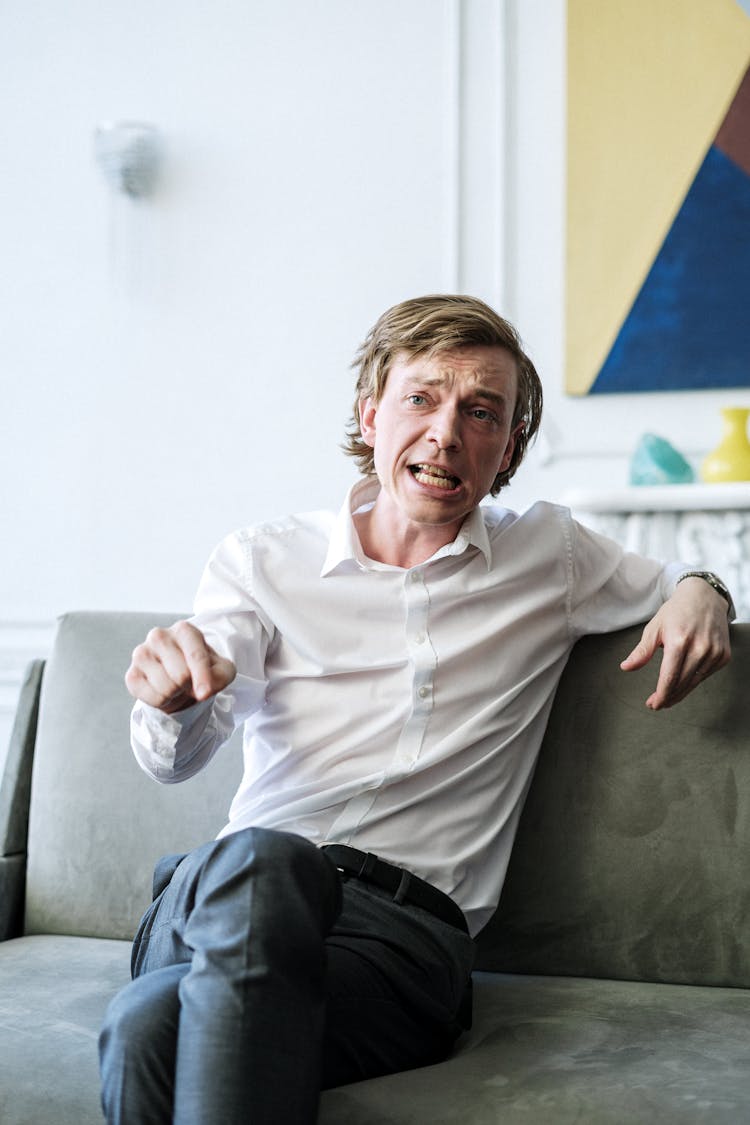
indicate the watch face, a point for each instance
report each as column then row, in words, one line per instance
column 720, row 588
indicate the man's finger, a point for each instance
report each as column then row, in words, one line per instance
column 139, row 686
column 642, row 652
column 148, row 667
column 197, row 656
column 223, row 671
column 670, row 682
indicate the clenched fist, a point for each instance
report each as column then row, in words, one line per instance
column 175, row 668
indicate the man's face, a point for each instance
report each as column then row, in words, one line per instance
column 441, row 433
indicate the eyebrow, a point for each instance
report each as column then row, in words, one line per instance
column 479, row 391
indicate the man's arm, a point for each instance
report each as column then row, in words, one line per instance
column 175, row 668
column 692, row 627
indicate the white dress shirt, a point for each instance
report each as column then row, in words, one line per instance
column 400, row 711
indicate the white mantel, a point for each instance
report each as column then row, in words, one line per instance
column 704, row 525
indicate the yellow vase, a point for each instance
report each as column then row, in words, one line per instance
column 731, row 458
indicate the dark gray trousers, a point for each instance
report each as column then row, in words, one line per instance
column 261, row 977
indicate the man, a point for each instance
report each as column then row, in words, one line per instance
column 394, row 668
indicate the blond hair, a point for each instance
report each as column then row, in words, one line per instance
column 425, row 326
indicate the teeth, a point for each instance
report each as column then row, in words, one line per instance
column 437, row 477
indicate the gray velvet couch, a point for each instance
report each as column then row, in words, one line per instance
column 611, row 985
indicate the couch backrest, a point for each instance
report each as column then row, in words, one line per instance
column 633, row 851
column 632, row 854
column 97, row 822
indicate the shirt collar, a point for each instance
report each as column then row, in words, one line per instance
column 345, row 550
column 473, row 533
column 344, row 546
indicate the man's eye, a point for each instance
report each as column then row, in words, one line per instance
column 417, row 400
column 483, row 415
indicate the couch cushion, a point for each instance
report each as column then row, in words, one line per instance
column 53, row 995
column 547, row 1051
column 557, row 1051
column 97, row 822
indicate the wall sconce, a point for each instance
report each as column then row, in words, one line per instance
column 129, row 154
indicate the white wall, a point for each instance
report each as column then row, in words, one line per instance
column 178, row 367
column 173, row 369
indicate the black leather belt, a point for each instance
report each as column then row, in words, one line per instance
column 399, row 882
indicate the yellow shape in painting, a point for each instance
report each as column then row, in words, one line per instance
column 649, row 83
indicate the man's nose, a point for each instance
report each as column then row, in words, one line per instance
column 445, row 429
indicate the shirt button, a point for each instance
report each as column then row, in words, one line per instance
column 420, row 638
column 423, row 692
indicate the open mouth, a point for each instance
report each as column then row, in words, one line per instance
column 434, row 476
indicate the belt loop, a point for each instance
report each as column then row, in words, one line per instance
column 403, row 887
column 368, row 866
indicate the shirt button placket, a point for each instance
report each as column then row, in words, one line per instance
column 421, row 654
column 422, row 663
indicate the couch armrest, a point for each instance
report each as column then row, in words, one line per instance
column 15, row 794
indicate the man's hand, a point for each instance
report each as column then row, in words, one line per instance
column 175, row 668
column 693, row 630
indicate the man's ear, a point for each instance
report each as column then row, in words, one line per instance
column 367, row 411
column 510, row 447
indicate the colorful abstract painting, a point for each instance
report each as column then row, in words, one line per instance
column 658, row 205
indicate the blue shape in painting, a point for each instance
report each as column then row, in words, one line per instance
column 689, row 327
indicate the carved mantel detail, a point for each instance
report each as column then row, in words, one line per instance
column 705, row 526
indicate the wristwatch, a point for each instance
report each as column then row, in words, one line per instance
column 715, row 582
